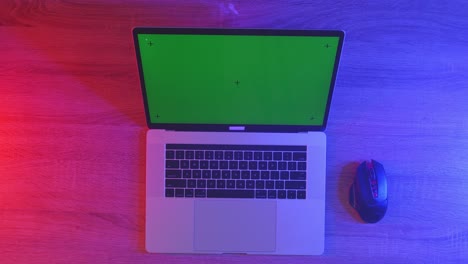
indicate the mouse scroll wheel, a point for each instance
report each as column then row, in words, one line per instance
column 373, row 183
column 372, row 175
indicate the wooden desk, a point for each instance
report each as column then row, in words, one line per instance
column 72, row 126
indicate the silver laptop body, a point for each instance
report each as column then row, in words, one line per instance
column 236, row 153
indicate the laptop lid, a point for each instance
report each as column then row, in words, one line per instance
column 268, row 80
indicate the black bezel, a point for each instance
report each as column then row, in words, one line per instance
column 237, row 31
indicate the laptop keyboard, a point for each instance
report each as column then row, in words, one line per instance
column 235, row 171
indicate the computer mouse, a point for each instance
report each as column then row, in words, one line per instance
column 368, row 194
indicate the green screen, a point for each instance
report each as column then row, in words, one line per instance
column 237, row 79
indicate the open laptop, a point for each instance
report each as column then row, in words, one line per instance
column 235, row 156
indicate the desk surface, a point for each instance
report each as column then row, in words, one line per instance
column 72, row 126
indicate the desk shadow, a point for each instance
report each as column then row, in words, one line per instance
column 345, row 181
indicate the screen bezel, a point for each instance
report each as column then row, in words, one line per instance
column 231, row 31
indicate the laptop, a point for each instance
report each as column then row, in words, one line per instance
column 236, row 149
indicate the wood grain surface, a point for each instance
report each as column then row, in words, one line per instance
column 72, row 126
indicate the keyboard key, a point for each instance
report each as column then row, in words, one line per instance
column 170, row 154
column 233, row 165
column 291, row 194
column 262, row 165
column 235, row 174
column 282, row 165
column 194, row 164
column 261, row 194
column 200, row 193
column 277, row 156
column 199, row 154
column 258, row 155
column 196, row 174
column 209, row 155
column 216, row 174
column 260, row 184
column 287, row 156
column 228, row 155
column 301, row 194
column 201, row 184
column 184, row 164
column 300, row 185
column 238, row 155
column 265, row 175
column 226, row 174
column 206, row 174
column 252, row 165
column 230, row 184
column 249, row 184
column 270, row 184
column 172, row 164
column 248, row 155
column 224, row 165
column 176, row 183
column 180, row 154
column 301, row 166
column 220, row 184
column 297, row 175
column 179, row 193
column 243, row 165
column 284, row 175
column 188, row 192
column 274, row 175
column 170, row 192
column 271, row 194
column 213, row 193
column 187, row 174
column 173, row 174
column 245, row 175
column 214, row 165
column 211, row 184
column 204, row 164
column 281, row 194
column 292, row 165
column 255, row 175
column 279, row 185
column 272, row 165
column 189, row 154
column 268, row 155
column 240, row 184
column 191, row 183
column 299, row 156
column 219, row 155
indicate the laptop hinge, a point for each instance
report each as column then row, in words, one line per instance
column 236, row 128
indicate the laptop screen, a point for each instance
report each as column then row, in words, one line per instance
column 225, row 78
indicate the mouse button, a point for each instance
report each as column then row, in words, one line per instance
column 378, row 167
column 373, row 214
column 382, row 187
column 372, row 179
column 362, row 185
column 364, row 191
column 372, row 174
column 381, row 181
column 362, row 173
column 362, row 168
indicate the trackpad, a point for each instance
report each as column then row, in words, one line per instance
column 235, row 226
